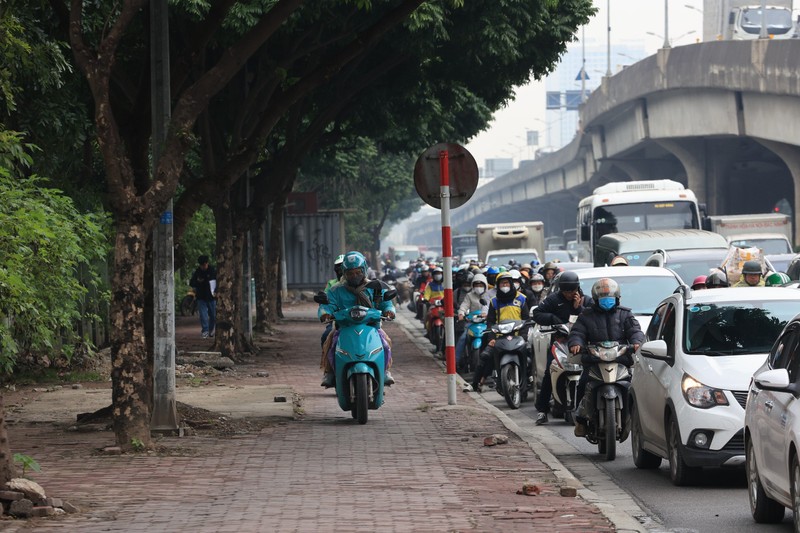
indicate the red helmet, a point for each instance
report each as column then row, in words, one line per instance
column 699, row 282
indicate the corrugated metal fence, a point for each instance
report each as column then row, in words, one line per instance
column 311, row 244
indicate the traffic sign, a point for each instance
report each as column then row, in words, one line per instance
column 463, row 173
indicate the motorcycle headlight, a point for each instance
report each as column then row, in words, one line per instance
column 357, row 313
column 701, row 396
column 477, row 319
column 342, row 352
column 604, row 353
column 505, row 329
column 573, row 367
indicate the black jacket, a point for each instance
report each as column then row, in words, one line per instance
column 555, row 309
column 596, row 325
column 200, row 282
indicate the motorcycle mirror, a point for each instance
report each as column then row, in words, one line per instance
column 483, row 302
column 375, row 285
column 321, row 297
column 389, row 295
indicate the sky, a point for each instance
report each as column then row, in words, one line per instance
column 630, row 22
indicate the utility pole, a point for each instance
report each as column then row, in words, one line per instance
column 583, row 63
column 666, row 24
column 608, row 39
column 165, row 413
column 763, row 33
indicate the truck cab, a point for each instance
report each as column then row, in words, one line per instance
column 744, row 23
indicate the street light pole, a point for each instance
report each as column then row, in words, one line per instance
column 583, row 63
column 666, row 24
column 763, row 33
column 608, row 39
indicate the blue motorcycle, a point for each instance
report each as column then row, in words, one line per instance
column 475, row 331
column 359, row 363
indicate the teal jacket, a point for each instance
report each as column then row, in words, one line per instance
column 339, row 297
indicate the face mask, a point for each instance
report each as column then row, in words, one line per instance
column 478, row 290
column 505, row 290
column 607, row 302
column 437, row 277
column 516, row 285
column 537, row 287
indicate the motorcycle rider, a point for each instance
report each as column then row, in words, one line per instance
column 420, row 283
column 558, row 308
column 751, row 275
column 549, row 271
column 353, row 290
column 472, row 302
column 699, row 283
column 604, row 320
column 434, row 290
column 507, row 304
column 537, row 292
column 717, row 279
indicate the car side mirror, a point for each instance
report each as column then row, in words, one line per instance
column 774, row 380
column 321, row 297
column 656, row 350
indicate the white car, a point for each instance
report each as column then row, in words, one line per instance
column 772, row 431
column 690, row 377
column 641, row 289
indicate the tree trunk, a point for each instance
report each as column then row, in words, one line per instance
column 274, row 255
column 225, row 340
column 131, row 406
column 7, row 470
column 263, row 318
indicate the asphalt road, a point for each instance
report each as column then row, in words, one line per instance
column 717, row 504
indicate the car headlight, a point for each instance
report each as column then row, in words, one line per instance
column 702, row 396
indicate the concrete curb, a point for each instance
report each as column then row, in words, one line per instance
column 623, row 521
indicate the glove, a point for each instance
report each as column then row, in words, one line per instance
column 389, row 315
column 325, row 317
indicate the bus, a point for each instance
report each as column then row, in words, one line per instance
column 634, row 206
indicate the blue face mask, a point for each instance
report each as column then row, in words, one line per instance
column 607, row 302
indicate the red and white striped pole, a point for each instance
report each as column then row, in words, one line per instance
column 447, row 253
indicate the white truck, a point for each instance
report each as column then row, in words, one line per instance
column 523, row 236
column 772, row 232
column 744, row 22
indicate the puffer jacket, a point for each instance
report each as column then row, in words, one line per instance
column 555, row 309
column 596, row 325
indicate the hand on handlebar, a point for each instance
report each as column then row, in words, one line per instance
column 326, row 318
column 574, row 350
column 461, row 316
column 389, row 314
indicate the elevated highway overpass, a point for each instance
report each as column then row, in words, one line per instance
column 722, row 117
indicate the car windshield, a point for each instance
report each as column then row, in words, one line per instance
column 735, row 328
column 689, row 269
column 768, row 246
column 641, row 293
column 503, row 259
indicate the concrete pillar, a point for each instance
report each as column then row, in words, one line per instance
column 790, row 154
column 692, row 155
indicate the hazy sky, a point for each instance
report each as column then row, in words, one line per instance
column 630, row 21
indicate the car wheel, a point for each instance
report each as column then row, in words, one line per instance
column 679, row 472
column 765, row 510
column 641, row 457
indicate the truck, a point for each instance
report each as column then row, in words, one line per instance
column 402, row 255
column 771, row 232
column 510, row 235
column 744, row 22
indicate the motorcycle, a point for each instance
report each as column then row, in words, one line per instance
column 436, row 324
column 514, row 361
column 605, row 401
column 565, row 373
column 359, row 361
column 475, row 330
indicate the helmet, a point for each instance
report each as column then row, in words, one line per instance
column 777, row 279
column 492, row 270
column 337, row 266
column 468, row 277
column 503, row 275
column 550, row 265
column 502, row 268
column 699, row 282
column 525, row 274
column 479, row 278
column 751, row 267
column 603, row 287
column 424, row 268
column 354, row 260
column 568, row 281
column 618, row 261
column 526, row 265
column 717, row 279
column 537, row 277
column 515, row 274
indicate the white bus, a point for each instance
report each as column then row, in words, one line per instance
column 634, row 206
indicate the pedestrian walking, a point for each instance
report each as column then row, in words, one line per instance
column 204, row 282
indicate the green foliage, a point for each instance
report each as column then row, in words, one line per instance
column 44, row 240
column 198, row 239
column 137, row 445
column 26, row 462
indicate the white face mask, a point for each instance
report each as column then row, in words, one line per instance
column 516, row 285
column 537, row 287
column 437, row 277
column 505, row 290
column 478, row 290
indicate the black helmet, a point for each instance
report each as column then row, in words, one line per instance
column 568, row 281
column 716, row 280
column 751, row 267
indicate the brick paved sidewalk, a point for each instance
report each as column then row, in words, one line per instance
column 418, row 465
